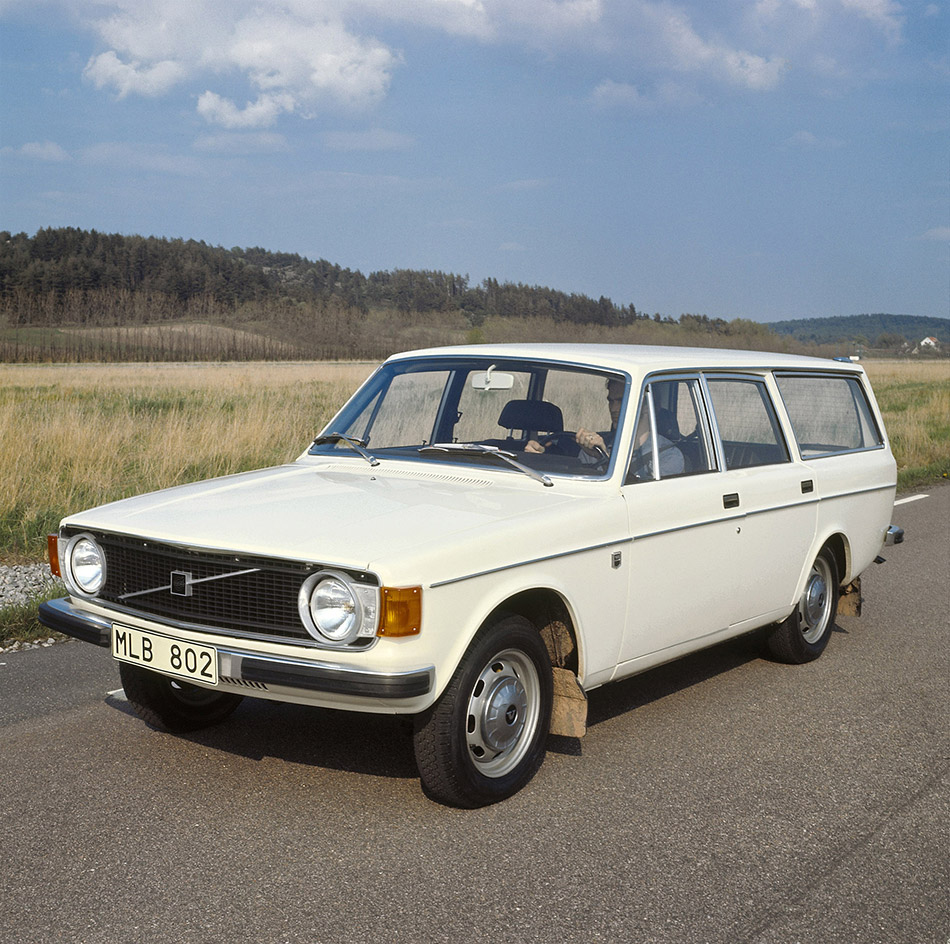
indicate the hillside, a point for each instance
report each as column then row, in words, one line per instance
column 75, row 295
column 876, row 331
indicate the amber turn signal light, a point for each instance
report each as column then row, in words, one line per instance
column 52, row 548
column 401, row 611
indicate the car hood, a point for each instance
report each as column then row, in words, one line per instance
column 349, row 515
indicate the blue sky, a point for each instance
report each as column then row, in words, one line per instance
column 766, row 159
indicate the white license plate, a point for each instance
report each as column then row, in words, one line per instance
column 164, row 654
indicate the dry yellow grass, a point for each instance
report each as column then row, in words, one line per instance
column 914, row 397
column 73, row 437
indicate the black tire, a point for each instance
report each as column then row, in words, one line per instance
column 803, row 636
column 173, row 704
column 485, row 737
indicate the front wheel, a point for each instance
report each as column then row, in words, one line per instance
column 172, row 705
column 484, row 739
column 803, row 636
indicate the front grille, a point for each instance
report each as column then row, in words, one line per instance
column 247, row 596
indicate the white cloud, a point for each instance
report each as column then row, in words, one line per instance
column 256, row 142
column 885, row 14
column 301, row 57
column 260, row 114
column 624, row 96
column 127, row 156
column 831, row 16
column 938, row 233
column 107, row 69
column 295, row 56
column 375, row 139
column 43, row 151
column 690, row 52
column 611, row 94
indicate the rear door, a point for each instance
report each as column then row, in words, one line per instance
column 719, row 541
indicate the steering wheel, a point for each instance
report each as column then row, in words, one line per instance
column 560, row 444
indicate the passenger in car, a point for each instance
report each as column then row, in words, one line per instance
column 671, row 459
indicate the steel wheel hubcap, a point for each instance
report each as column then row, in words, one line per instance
column 503, row 712
column 815, row 607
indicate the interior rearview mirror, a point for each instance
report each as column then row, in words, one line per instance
column 492, row 380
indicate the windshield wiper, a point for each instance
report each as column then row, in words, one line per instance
column 479, row 449
column 357, row 445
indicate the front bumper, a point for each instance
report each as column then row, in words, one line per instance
column 254, row 670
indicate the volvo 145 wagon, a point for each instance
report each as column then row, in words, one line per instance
column 484, row 534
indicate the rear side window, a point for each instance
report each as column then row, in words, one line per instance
column 828, row 414
column 748, row 428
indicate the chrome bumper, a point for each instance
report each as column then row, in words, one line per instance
column 258, row 670
column 894, row 536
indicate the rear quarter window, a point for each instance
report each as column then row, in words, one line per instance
column 748, row 428
column 828, row 414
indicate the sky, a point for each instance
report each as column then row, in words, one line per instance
column 767, row 159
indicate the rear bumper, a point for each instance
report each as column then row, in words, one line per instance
column 894, row 536
column 298, row 675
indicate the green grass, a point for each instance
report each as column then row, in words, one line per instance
column 19, row 622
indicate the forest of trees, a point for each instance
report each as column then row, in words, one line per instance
column 68, row 294
column 56, row 262
column 882, row 331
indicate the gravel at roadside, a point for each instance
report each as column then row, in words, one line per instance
column 21, row 583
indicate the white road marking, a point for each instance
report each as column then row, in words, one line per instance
column 910, row 498
column 119, row 693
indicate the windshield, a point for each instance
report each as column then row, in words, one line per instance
column 550, row 418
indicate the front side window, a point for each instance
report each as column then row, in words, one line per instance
column 550, row 418
column 828, row 414
column 748, row 428
column 672, row 437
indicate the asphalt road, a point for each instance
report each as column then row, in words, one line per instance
column 724, row 798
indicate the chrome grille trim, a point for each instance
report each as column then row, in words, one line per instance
column 230, row 594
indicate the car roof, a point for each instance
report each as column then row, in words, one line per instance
column 639, row 358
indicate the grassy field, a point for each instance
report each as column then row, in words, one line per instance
column 77, row 436
column 914, row 397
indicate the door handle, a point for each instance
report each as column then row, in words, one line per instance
column 808, row 486
column 731, row 500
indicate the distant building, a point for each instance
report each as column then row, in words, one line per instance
column 927, row 344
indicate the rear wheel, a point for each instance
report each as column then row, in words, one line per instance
column 484, row 739
column 171, row 704
column 805, row 633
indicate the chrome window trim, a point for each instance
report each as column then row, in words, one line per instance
column 452, row 363
column 710, row 431
column 776, row 415
column 832, row 375
column 843, row 452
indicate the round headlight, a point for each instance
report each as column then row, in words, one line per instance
column 87, row 564
column 334, row 610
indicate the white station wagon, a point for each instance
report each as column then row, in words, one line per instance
column 485, row 534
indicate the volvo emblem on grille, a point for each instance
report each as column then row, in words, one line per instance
column 180, row 581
